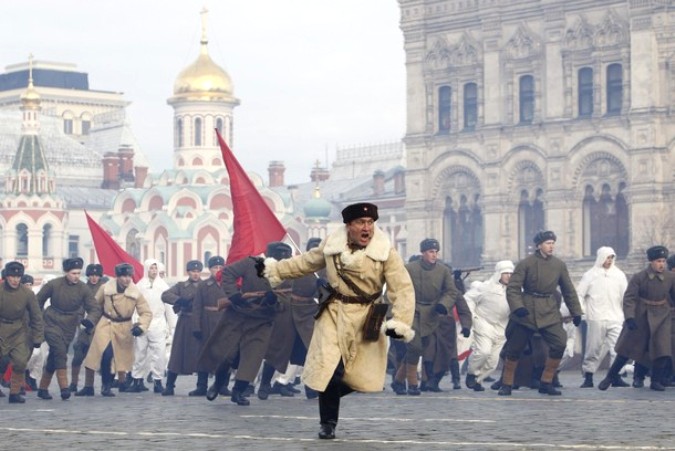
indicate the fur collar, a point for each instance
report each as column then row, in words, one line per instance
column 378, row 249
column 110, row 289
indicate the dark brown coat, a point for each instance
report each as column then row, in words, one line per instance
column 185, row 347
column 651, row 339
column 17, row 336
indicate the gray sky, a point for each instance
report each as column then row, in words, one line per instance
column 311, row 74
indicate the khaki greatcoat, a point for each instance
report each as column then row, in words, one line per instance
column 338, row 333
column 118, row 306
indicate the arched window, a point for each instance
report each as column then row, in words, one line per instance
column 526, row 93
column 585, row 92
column 463, row 230
column 444, row 109
column 605, row 220
column 207, row 256
column 22, row 240
column 219, row 127
column 46, row 240
column 179, row 132
column 198, row 132
column 530, row 220
column 614, row 89
column 132, row 245
column 470, row 106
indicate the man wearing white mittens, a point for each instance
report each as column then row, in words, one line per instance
column 359, row 260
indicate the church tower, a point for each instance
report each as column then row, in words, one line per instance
column 203, row 100
column 34, row 215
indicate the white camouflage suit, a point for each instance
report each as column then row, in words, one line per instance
column 601, row 294
column 150, row 348
column 490, row 311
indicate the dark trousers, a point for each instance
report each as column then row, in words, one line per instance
column 518, row 336
column 106, row 365
column 329, row 399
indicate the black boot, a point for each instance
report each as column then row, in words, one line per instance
column 504, row 390
column 106, row 390
column 238, row 393
column 202, row 379
column 399, row 388
column 639, row 373
column 613, row 372
column 556, row 382
column 311, row 393
column 588, row 381
column 327, row 431
column 264, row 391
column 85, row 391
column 478, row 387
column 157, row 387
column 287, row 390
column 618, row 382
column 170, row 383
column 470, row 380
column 15, row 398
column 65, row 394
column 547, row 388
column 454, row 372
column 43, row 393
column 496, row 385
column 72, row 387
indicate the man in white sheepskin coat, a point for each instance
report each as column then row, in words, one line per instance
column 339, row 360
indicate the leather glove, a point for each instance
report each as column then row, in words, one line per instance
column 136, row 331
column 88, row 325
column 440, row 309
column 576, row 320
column 521, row 312
column 269, row 299
column 466, row 332
column 238, row 300
column 176, row 308
column 198, row 334
column 37, row 345
column 392, row 333
column 631, row 324
column 259, row 265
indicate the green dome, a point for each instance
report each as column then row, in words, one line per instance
column 317, row 207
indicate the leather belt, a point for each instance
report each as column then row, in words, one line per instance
column 209, row 308
column 116, row 320
column 64, row 312
column 351, row 299
column 655, row 303
column 536, row 294
column 296, row 298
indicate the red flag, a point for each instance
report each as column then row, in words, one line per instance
column 255, row 224
column 110, row 253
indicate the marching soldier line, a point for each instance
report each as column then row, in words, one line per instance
column 244, row 323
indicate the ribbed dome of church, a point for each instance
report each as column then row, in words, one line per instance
column 317, row 207
column 203, row 77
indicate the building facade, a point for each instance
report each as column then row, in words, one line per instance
column 525, row 115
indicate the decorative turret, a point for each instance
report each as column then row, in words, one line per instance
column 30, row 172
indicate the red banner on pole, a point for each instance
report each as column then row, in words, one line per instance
column 255, row 224
column 110, row 253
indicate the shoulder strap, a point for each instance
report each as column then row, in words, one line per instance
column 359, row 292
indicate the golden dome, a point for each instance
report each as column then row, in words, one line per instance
column 204, row 76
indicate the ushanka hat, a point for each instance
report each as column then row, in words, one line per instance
column 360, row 210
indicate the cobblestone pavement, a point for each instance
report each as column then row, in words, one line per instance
column 581, row 419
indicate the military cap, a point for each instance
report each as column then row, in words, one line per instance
column 13, row 269
column 94, row 269
column 27, row 278
column 278, row 250
column 313, row 242
column 124, row 269
column 194, row 265
column 656, row 252
column 360, row 210
column 216, row 260
column 544, row 235
column 72, row 263
column 429, row 244
column 671, row 262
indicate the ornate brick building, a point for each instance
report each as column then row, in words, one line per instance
column 536, row 114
